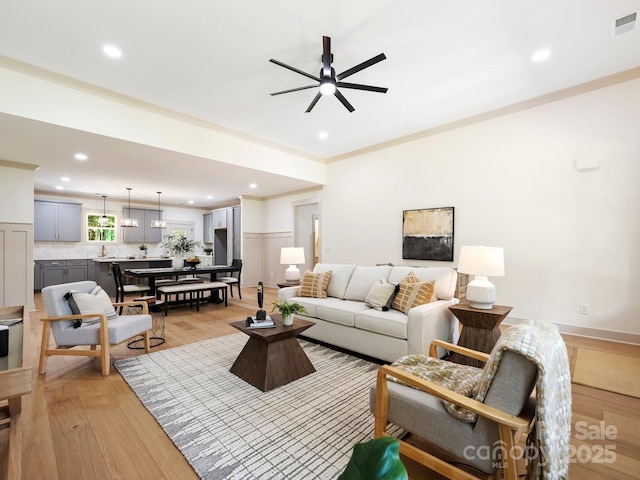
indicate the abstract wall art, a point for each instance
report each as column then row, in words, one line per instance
column 427, row 234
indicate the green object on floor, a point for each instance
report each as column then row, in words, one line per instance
column 376, row 459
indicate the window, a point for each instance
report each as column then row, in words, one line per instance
column 101, row 233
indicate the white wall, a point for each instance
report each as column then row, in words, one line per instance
column 570, row 237
column 16, row 192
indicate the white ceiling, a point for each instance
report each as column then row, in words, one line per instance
column 209, row 59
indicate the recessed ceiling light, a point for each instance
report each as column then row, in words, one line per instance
column 81, row 156
column 191, row 201
column 323, row 135
column 209, row 197
column 253, row 185
column 59, row 187
column 541, row 55
column 65, row 179
column 112, row 51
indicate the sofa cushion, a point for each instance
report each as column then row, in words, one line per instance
column 445, row 278
column 392, row 323
column 412, row 293
column 340, row 276
column 339, row 311
column 381, row 295
column 315, row 284
column 363, row 279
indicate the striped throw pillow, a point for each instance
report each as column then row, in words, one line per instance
column 412, row 293
column 315, row 284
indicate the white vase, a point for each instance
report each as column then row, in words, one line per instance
column 287, row 320
column 177, row 263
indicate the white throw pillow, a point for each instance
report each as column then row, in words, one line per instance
column 380, row 294
column 97, row 301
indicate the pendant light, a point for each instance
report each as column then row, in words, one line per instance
column 129, row 222
column 104, row 221
column 159, row 223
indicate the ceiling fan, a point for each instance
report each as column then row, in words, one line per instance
column 328, row 81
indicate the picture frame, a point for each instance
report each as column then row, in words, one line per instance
column 427, row 234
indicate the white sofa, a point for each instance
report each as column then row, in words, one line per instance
column 344, row 320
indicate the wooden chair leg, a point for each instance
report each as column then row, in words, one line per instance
column 239, row 292
column 46, row 335
column 147, row 341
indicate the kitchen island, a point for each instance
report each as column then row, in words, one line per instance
column 104, row 276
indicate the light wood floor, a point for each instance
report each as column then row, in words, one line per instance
column 78, row 424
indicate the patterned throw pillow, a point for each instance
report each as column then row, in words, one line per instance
column 461, row 379
column 413, row 292
column 315, row 284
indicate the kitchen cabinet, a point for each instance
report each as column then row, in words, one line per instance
column 143, row 233
column 227, row 235
column 38, row 281
column 207, row 227
column 237, row 232
column 220, row 218
column 55, row 272
column 57, row 221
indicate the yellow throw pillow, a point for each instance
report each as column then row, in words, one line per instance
column 315, row 284
column 412, row 293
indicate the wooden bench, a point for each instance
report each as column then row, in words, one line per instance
column 192, row 288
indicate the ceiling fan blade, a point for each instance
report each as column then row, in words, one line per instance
column 357, row 86
column 293, row 90
column 313, row 102
column 362, row 66
column 326, row 56
column 293, row 69
column 344, row 101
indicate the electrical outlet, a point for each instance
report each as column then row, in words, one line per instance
column 583, row 309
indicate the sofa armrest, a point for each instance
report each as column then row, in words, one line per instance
column 432, row 321
column 287, row 292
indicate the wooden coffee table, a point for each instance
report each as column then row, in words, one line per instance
column 272, row 357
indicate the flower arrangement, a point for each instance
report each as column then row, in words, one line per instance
column 143, row 247
column 179, row 245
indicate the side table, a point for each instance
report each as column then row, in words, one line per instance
column 157, row 323
column 480, row 330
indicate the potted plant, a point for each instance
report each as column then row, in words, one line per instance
column 144, row 249
column 287, row 310
column 179, row 246
column 208, row 251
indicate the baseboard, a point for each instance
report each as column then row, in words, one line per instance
column 620, row 337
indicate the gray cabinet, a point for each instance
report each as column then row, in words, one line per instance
column 227, row 235
column 37, row 275
column 55, row 272
column 57, row 222
column 143, row 233
column 207, row 229
column 237, row 232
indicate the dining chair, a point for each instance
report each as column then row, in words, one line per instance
column 122, row 288
column 232, row 280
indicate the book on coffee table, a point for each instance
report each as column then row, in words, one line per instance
column 266, row 323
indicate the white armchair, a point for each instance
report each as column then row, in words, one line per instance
column 60, row 320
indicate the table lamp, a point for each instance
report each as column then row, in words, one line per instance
column 482, row 262
column 292, row 256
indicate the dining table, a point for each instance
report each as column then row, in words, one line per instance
column 151, row 274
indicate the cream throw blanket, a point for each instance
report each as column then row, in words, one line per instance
column 542, row 344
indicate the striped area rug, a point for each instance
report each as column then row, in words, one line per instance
column 228, row 429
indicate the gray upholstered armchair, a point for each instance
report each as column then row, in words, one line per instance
column 92, row 327
column 474, row 418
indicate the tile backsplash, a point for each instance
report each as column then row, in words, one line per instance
column 66, row 250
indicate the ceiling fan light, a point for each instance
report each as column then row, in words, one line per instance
column 327, row 88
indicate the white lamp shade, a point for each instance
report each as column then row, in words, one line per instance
column 292, row 256
column 485, row 261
